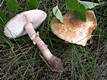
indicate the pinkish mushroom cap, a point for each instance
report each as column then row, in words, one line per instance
column 15, row 27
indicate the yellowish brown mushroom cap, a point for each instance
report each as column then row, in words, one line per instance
column 73, row 29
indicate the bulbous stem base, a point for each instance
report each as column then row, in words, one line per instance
column 56, row 64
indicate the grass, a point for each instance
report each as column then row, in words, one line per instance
column 20, row 59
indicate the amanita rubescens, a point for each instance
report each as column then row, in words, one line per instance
column 73, row 29
column 25, row 23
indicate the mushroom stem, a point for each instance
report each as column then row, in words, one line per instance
column 54, row 62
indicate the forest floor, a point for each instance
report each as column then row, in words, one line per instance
column 21, row 60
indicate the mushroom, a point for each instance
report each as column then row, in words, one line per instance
column 73, row 29
column 25, row 23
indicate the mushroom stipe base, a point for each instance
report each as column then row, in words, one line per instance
column 55, row 64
